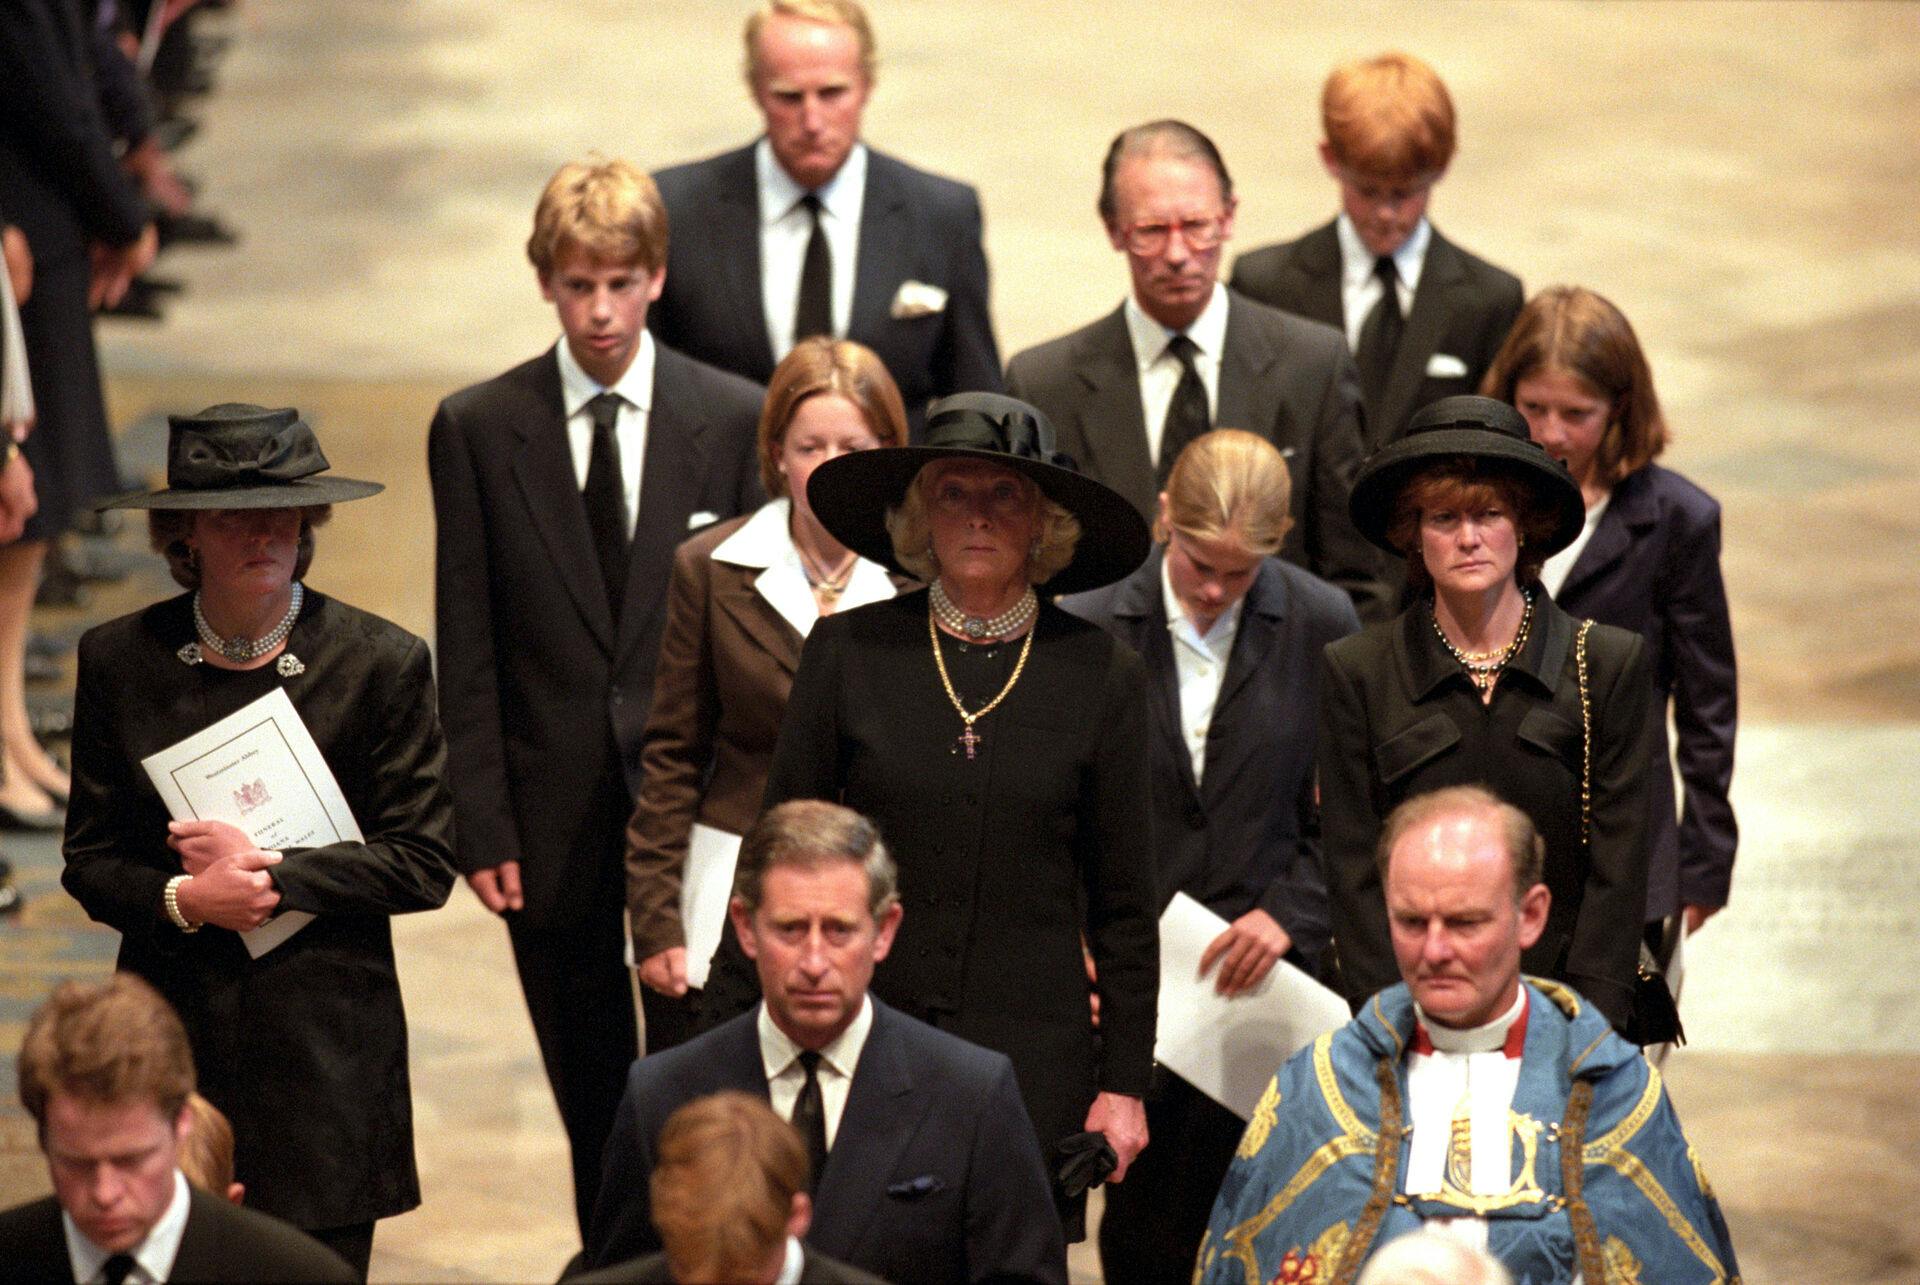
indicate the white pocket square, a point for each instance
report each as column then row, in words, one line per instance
column 917, row 299
column 1444, row 365
column 702, row 518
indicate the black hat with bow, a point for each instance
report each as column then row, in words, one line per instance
column 239, row 456
column 851, row 494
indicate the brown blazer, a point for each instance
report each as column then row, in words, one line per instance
column 728, row 653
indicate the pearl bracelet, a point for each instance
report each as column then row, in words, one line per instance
column 171, row 899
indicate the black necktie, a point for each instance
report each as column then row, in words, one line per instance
column 1187, row 414
column 1380, row 333
column 814, row 316
column 810, row 1115
column 116, row 1269
column 605, row 496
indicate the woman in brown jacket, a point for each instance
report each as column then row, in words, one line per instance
column 743, row 597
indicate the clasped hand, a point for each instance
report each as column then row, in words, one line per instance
column 229, row 887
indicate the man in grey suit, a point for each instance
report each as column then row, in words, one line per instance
column 1389, row 138
column 105, row 1072
column 808, row 231
column 1184, row 353
column 925, row 1164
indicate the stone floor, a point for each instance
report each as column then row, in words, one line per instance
column 1738, row 177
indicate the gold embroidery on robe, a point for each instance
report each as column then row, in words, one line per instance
column 1621, row 1266
column 1262, row 1122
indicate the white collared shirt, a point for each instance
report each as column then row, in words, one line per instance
column 764, row 541
column 1472, row 1065
column 1200, row 665
column 1360, row 289
column 1554, row 573
column 152, row 1257
column 785, row 230
column 780, row 1059
column 1160, row 369
column 635, row 387
column 793, row 1264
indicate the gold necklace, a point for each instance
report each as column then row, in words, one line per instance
column 827, row 588
column 1484, row 667
column 969, row 738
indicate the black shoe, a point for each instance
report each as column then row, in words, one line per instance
column 52, row 818
column 194, row 229
column 139, row 303
column 59, row 587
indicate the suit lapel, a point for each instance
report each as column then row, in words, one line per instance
column 670, row 489
column 1613, row 535
column 1113, row 425
column 1262, row 620
column 1245, row 370
column 1441, row 276
column 1318, row 262
column 1140, row 609
column 757, row 618
column 882, row 258
column 736, row 227
column 880, row 1118
column 543, row 468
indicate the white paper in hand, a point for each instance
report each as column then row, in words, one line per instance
column 259, row 770
column 1230, row 1048
column 704, row 892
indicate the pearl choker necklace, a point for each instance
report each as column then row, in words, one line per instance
column 980, row 628
column 240, row 649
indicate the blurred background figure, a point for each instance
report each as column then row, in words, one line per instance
column 1647, row 559
column 206, row 1154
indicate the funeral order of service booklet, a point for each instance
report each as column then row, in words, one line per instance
column 258, row 770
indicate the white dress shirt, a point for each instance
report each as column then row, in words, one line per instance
column 1360, row 289
column 1199, row 664
column 1160, row 369
column 785, row 230
column 765, row 541
column 793, row 1264
column 152, row 1257
column 635, row 387
column 1470, row 1068
column 1554, row 573
column 780, row 1058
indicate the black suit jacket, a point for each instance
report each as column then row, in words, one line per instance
column 1462, row 308
column 815, row 1269
column 1247, row 834
column 914, row 226
column 1653, row 566
column 222, row 1242
column 934, row 1174
column 1398, row 718
column 1289, row 380
column 542, row 692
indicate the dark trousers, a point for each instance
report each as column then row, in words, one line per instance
column 1154, row 1221
column 580, row 996
column 353, row 1242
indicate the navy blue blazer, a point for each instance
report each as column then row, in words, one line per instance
column 914, row 226
column 1653, row 566
column 1247, row 834
column 934, row 1173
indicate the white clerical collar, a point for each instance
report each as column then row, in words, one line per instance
column 1490, row 1038
column 1177, row 618
column 842, row 1052
column 154, row 1255
column 841, row 196
column 1150, row 338
column 793, row 1265
column 577, row 387
column 1356, row 261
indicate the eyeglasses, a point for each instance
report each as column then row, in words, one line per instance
column 1199, row 234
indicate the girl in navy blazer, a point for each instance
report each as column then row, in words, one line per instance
column 1647, row 560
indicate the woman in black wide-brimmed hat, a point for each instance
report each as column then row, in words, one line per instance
column 1001, row 746
column 304, row 1048
column 1479, row 682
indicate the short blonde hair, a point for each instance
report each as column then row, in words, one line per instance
column 1229, row 483
column 833, row 13
column 825, row 365
column 912, row 533
column 1388, row 118
column 608, row 209
column 206, row 1158
column 723, row 1184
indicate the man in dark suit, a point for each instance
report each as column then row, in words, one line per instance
column 561, row 489
column 808, row 231
column 925, row 1163
column 105, row 1072
column 730, row 1200
column 1232, row 638
column 1390, row 135
column 1183, row 353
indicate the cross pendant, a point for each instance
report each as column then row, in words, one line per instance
column 968, row 738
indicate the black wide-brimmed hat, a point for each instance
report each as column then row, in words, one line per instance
column 1488, row 431
column 240, row 456
column 852, row 493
